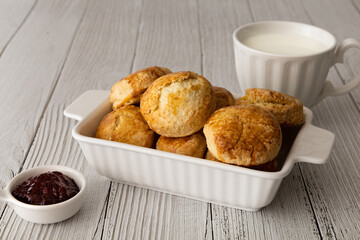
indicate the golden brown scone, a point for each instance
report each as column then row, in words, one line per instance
column 211, row 157
column 288, row 110
column 223, row 97
column 193, row 145
column 244, row 135
column 126, row 125
column 268, row 166
column 129, row 89
column 271, row 166
column 178, row 104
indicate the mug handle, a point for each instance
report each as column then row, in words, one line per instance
column 329, row 89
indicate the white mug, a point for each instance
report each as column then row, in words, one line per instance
column 290, row 57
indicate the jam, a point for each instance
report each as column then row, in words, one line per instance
column 47, row 188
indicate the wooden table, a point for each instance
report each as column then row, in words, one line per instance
column 53, row 51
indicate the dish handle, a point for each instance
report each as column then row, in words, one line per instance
column 85, row 104
column 314, row 145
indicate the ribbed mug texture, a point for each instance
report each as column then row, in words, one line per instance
column 302, row 77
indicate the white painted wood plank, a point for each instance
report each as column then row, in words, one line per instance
column 209, row 233
column 341, row 18
column 335, row 193
column 29, row 68
column 12, row 15
column 99, row 56
column 135, row 213
column 217, row 23
column 53, row 145
column 168, row 36
column 333, row 188
column 289, row 216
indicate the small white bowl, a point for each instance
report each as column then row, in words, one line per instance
column 45, row 214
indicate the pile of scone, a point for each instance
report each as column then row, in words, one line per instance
column 183, row 113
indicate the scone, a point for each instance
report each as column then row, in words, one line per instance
column 193, row 145
column 268, row 166
column 211, row 157
column 288, row 110
column 126, row 125
column 223, row 97
column 245, row 135
column 129, row 89
column 271, row 166
column 178, row 104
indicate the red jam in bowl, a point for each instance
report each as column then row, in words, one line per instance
column 47, row 188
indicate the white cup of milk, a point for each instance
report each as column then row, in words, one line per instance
column 290, row 57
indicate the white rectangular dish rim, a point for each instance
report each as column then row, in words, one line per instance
column 312, row 144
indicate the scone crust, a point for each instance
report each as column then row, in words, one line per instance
column 178, row 104
column 271, row 166
column 129, row 89
column 193, row 145
column 288, row 110
column 211, row 157
column 244, row 135
column 126, row 125
column 223, row 97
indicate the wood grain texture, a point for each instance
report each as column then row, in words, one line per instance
column 342, row 19
column 289, row 216
column 280, row 218
column 135, row 213
column 12, row 15
column 51, row 147
column 168, row 36
column 217, row 23
column 335, row 192
column 99, row 56
column 29, row 68
column 334, row 201
column 334, row 188
column 53, row 51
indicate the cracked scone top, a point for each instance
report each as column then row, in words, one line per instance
column 128, row 90
column 126, row 125
column 178, row 104
column 193, row 145
column 244, row 135
column 287, row 110
column 223, row 97
column 271, row 166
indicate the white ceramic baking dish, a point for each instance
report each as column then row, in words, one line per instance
column 190, row 177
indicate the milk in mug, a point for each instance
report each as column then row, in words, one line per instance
column 284, row 44
column 292, row 58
